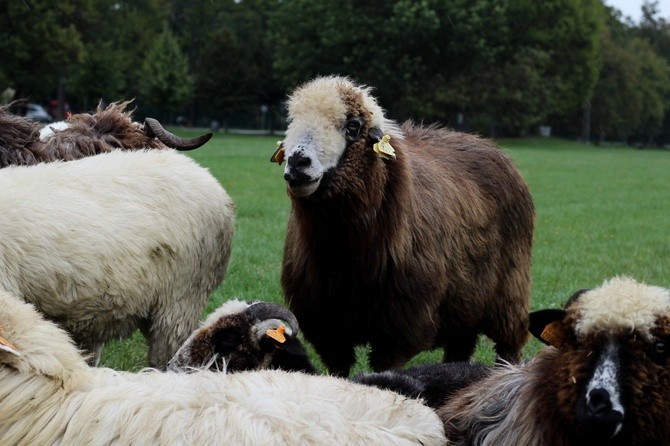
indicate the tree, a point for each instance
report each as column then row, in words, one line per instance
column 39, row 43
column 630, row 98
column 165, row 82
column 117, row 34
column 430, row 58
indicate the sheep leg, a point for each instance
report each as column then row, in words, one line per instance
column 338, row 358
column 164, row 336
column 509, row 330
column 459, row 346
column 388, row 358
column 91, row 351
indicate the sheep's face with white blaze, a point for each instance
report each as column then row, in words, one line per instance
column 241, row 336
column 614, row 350
column 327, row 117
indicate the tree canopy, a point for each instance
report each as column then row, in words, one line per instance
column 496, row 67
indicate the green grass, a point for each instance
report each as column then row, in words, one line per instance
column 601, row 211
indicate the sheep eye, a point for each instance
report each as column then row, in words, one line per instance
column 353, row 127
column 659, row 351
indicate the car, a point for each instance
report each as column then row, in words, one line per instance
column 36, row 112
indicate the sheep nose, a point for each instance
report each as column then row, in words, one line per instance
column 299, row 161
column 599, row 402
column 295, row 169
column 600, row 417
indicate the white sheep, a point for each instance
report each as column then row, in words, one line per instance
column 49, row 395
column 110, row 243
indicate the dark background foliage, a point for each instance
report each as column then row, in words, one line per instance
column 490, row 66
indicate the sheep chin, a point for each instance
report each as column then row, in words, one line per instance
column 302, row 189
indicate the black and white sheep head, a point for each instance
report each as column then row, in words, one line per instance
column 614, row 344
column 241, row 336
column 327, row 117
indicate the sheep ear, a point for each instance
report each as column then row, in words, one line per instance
column 5, row 346
column 375, row 134
column 278, row 155
column 548, row 326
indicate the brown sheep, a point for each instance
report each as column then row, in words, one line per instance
column 109, row 128
column 605, row 379
column 421, row 242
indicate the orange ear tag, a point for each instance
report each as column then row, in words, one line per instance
column 278, row 156
column 553, row 334
column 278, row 334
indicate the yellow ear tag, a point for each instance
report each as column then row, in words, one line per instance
column 278, row 334
column 278, row 156
column 553, row 334
column 384, row 148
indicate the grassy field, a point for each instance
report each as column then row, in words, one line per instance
column 601, row 211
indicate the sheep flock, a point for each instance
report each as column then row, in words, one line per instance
column 400, row 237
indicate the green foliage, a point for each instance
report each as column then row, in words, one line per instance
column 39, row 40
column 165, row 81
column 599, row 210
column 631, row 96
column 117, row 36
column 510, row 64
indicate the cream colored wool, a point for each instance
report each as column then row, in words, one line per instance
column 621, row 303
column 49, row 395
column 109, row 243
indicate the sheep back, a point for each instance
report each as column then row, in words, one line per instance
column 48, row 395
column 425, row 250
column 123, row 240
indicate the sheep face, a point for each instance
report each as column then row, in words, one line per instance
column 614, row 351
column 241, row 336
column 327, row 117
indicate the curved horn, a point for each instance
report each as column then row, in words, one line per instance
column 154, row 128
column 267, row 310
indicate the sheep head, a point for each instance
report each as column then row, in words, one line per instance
column 614, row 355
column 243, row 336
column 113, row 127
column 330, row 118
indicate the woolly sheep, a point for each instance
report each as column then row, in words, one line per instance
column 22, row 141
column 241, row 336
column 604, row 380
column 110, row 243
column 49, row 395
column 407, row 244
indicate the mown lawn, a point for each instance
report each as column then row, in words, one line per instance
column 601, row 211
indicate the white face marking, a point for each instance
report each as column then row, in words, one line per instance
column 315, row 136
column 605, row 377
column 310, row 152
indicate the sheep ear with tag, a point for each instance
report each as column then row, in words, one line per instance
column 548, row 326
column 382, row 145
column 278, row 155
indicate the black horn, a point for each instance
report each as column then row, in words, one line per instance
column 153, row 128
column 267, row 310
